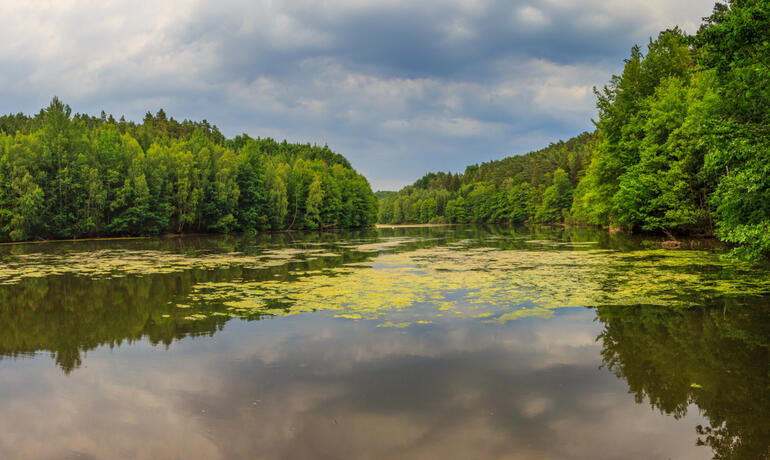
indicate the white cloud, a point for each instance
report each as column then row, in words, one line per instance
column 530, row 15
column 454, row 127
column 457, row 81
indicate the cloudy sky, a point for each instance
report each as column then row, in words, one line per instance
column 400, row 87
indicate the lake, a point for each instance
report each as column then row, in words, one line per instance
column 464, row 342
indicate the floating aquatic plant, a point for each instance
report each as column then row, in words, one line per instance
column 479, row 279
column 492, row 284
column 115, row 263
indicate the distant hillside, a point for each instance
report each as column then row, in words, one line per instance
column 535, row 187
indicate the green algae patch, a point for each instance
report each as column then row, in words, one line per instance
column 349, row 316
column 398, row 280
column 496, row 285
column 196, row 317
column 385, row 244
column 395, row 325
column 537, row 312
column 115, row 263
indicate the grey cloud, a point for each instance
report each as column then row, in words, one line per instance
column 422, row 39
column 399, row 87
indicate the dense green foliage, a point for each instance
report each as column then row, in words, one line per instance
column 536, row 187
column 682, row 146
column 684, row 134
column 64, row 176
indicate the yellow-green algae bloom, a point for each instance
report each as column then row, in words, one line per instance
column 399, row 289
column 398, row 286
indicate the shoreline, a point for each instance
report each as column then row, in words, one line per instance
column 172, row 235
column 418, row 225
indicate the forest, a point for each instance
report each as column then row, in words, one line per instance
column 76, row 176
column 536, row 187
column 681, row 147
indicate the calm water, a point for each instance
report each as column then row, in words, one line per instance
column 467, row 342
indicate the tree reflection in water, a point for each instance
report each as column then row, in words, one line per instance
column 715, row 358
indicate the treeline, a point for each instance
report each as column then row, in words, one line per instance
column 65, row 176
column 536, row 187
column 682, row 146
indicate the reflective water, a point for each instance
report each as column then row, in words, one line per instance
column 466, row 342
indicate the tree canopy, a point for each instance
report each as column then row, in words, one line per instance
column 536, row 187
column 682, row 146
column 72, row 176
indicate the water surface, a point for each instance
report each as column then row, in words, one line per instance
column 448, row 342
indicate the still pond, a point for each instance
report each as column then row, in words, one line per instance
column 413, row 343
